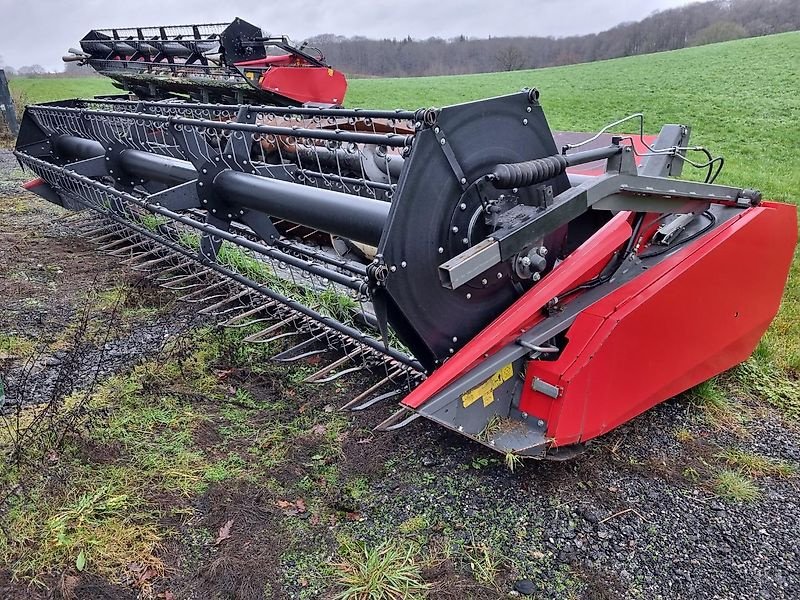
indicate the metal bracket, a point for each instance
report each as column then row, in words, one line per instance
column 451, row 157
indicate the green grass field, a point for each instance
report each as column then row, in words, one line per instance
column 741, row 98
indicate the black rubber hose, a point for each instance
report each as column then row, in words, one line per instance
column 514, row 175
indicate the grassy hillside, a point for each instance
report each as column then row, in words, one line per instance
column 742, row 99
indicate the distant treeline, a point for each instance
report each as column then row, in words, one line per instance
column 695, row 24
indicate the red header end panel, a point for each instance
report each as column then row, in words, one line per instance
column 318, row 85
column 696, row 314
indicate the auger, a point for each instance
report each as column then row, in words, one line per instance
column 527, row 296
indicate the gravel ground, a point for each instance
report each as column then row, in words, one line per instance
column 47, row 277
column 626, row 519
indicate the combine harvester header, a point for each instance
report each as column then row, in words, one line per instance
column 529, row 296
column 220, row 63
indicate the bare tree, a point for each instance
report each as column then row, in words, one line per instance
column 510, row 58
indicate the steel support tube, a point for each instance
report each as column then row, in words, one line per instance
column 164, row 169
column 353, row 217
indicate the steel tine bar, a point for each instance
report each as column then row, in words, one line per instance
column 247, row 324
column 274, row 338
column 135, row 257
column 204, row 299
column 396, row 421
column 377, row 399
column 249, row 313
column 287, row 355
column 155, row 261
column 213, row 307
column 341, row 373
column 331, row 367
column 180, row 278
column 102, row 238
column 302, row 356
column 93, row 232
column 371, row 389
column 208, row 288
column 182, row 267
column 122, row 251
column 115, row 243
column 259, row 334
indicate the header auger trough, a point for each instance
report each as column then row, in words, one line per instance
column 529, row 296
column 218, row 62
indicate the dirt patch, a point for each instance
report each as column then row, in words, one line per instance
column 245, row 549
column 449, row 583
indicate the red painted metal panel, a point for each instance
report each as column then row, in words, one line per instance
column 583, row 264
column 306, row 84
column 698, row 313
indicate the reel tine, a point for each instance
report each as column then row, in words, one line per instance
column 170, row 282
column 374, row 388
column 211, row 309
column 290, row 355
column 130, row 261
column 257, row 337
column 152, row 263
column 190, row 297
column 274, row 338
column 130, row 249
column 341, row 373
column 315, row 377
column 114, row 244
column 398, row 420
column 377, row 399
column 234, row 322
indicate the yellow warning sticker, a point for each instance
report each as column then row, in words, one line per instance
column 330, row 72
column 485, row 391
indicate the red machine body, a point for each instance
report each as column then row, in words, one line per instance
column 675, row 326
column 293, row 77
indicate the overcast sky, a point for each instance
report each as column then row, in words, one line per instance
column 40, row 31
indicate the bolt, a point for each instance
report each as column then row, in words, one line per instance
column 443, row 141
column 205, row 201
column 214, row 210
column 469, row 296
column 230, row 155
column 404, row 264
column 484, row 282
column 528, row 109
column 499, row 275
column 230, row 216
column 540, row 423
column 452, row 351
column 542, row 251
column 455, row 229
column 463, row 206
column 205, row 170
column 515, row 191
column 525, row 261
column 393, row 268
column 200, row 183
column 524, row 121
column 436, row 129
column 536, row 277
column 524, row 416
column 463, row 180
column 441, row 250
column 455, row 339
